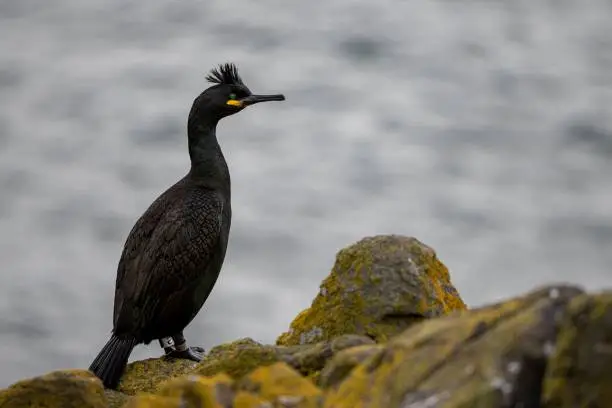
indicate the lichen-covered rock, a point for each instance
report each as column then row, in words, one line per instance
column 579, row 373
column 282, row 386
column 378, row 287
column 380, row 334
column 154, row 401
column 276, row 385
column 58, row 389
column 147, row 375
column 115, row 399
column 310, row 359
column 339, row 367
column 245, row 399
column 190, row 391
column 237, row 358
column 490, row 357
column 197, row 391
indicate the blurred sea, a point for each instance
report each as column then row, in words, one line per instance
column 484, row 128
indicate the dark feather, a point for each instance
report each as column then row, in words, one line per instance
column 225, row 74
column 110, row 363
column 166, row 257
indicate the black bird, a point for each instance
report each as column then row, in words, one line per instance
column 174, row 253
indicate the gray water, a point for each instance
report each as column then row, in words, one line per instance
column 484, row 128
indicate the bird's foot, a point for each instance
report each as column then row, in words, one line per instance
column 189, row 353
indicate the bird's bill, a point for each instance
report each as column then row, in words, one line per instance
column 253, row 99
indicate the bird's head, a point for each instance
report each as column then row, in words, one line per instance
column 227, row 96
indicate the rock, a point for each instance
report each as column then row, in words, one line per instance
column 115, row 399
column 282, row 386
column 494, row 356
column 378, row 287
column 310, row 359
column 197, row 391
column 381, row 334
column 343, row 363
column 243, row 356
column 58, row 389
column 154, row 401
column 275, row 385
column 245, row 399
column 189, row 391
column 237, row 359
column 579, row 373
column 147, row 375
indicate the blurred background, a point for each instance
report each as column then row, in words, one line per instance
column 483, row 128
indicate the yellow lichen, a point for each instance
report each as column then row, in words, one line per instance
column 438, row 281
column 245, row 399
column 65, row 388
column 309, row 359
column 115, row 399
column 339, row 367
column 459, row 360
column 147, row 375
column 579, row 373
column 279, row 382
column 198, row 391
column 237, row 358
column 298, row 321
column 155, row 401
column 378, row 287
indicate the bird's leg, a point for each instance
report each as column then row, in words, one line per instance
column 182, row 350
column 167, row 343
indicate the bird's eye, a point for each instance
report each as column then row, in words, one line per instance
column 232, row 96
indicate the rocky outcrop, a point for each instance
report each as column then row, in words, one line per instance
column 387, row 330
column 281, row 385
column 378, row 287
column 494, row 356
column 146, row 375
column 69, row 388
column 189, row 391
column 579, row 369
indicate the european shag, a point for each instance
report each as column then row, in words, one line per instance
column 174, row 253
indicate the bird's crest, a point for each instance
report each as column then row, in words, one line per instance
column 225, row 74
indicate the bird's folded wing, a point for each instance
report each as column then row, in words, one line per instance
column 176, row 252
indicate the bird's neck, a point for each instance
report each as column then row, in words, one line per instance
column 208, row 166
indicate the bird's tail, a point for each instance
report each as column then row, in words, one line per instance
column 112, row 359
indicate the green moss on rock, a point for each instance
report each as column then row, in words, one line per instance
column 378, row 287
column 154, row 401
column 245, row 399
column 282, row 386
column 237, row 359
column 310, row 359
column 381, row 333
column 339, row 367
column 58, row 389
column 197, row 391
column 115, row 399
column 490, row 357
column 579, row 373
column 189, row 391
column 147, row 375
